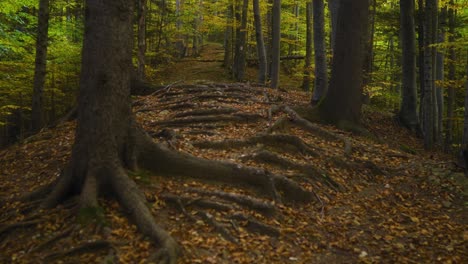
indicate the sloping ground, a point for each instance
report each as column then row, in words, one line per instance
column 385, row 200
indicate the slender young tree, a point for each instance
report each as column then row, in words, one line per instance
column 321, row 78
column 343, row 100
column 141, row 38
column 228, row 36
column 276, row 40
column 308, row 56
column 439, row 75
column 37, row 109
column 409, row 102
column 261, row 52
column 451, row 77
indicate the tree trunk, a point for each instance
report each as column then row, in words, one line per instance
column 37, row 110
column 409, row 102
column 276, row 40
column 440, row 76
column 261, row 52
column 228, row 37
column 369, row 49
column 451, row 77
column 429, row 89
column 106, row 134
column 421, row 58
column 241, row 43
column 308, row 57
column 321, row 78
column 333, row 6
column 141, row 38
column 343, row 101
column 180, row 46
column 465, row 126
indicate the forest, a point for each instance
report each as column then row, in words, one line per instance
column 233, row 131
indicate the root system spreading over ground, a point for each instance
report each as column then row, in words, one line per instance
column 298, row 192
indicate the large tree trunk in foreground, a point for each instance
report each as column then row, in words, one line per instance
column 104, row 140
column 343, row 101
column 37, row 110
column 409, row 102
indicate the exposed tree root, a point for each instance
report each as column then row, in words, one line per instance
column 263, row 207
column 281, row 141
column 52, row 240
column 182, row 164
column 207, row 112
column 308, row 126
column 255, row 226
column 241, row 117
column 80, row 249
column 187, row 201
column 210, row 219
column 308, row 170
column 10, row 227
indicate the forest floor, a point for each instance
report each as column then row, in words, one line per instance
column 383, row 200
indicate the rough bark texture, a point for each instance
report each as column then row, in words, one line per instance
column 275, row 39
column 409, row 102
column 141, row 38
column 37, row 118
column 105, row 133
column 308, row 57
column 343, row 101
column 321, row 78
column 261, row 52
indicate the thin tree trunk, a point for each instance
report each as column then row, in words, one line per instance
column 408, row 112
column 451, row 77
column 261, row 52
column 369, row 50
column 37, row 110
column 276, row 42
column 440, row 76
column 228, row 37
column 421, row 58
column 465, row 125
column 141, row 38
column 321, row 78
column 308, row 57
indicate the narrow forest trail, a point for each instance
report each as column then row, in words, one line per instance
column 383, row 200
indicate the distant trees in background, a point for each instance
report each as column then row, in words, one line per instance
column 414, row 57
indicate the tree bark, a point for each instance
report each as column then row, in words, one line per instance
column 37, row 110
column 451, row 77
column 321, row 75
column 261, row 52
column 141, row 38
column 276, row 42
column 409, row 102
column 440, row 58
column 308, row 56
column 228, row 37
column 429, row 89
column 343, row 101
column 241, row 43
column 333, row 6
